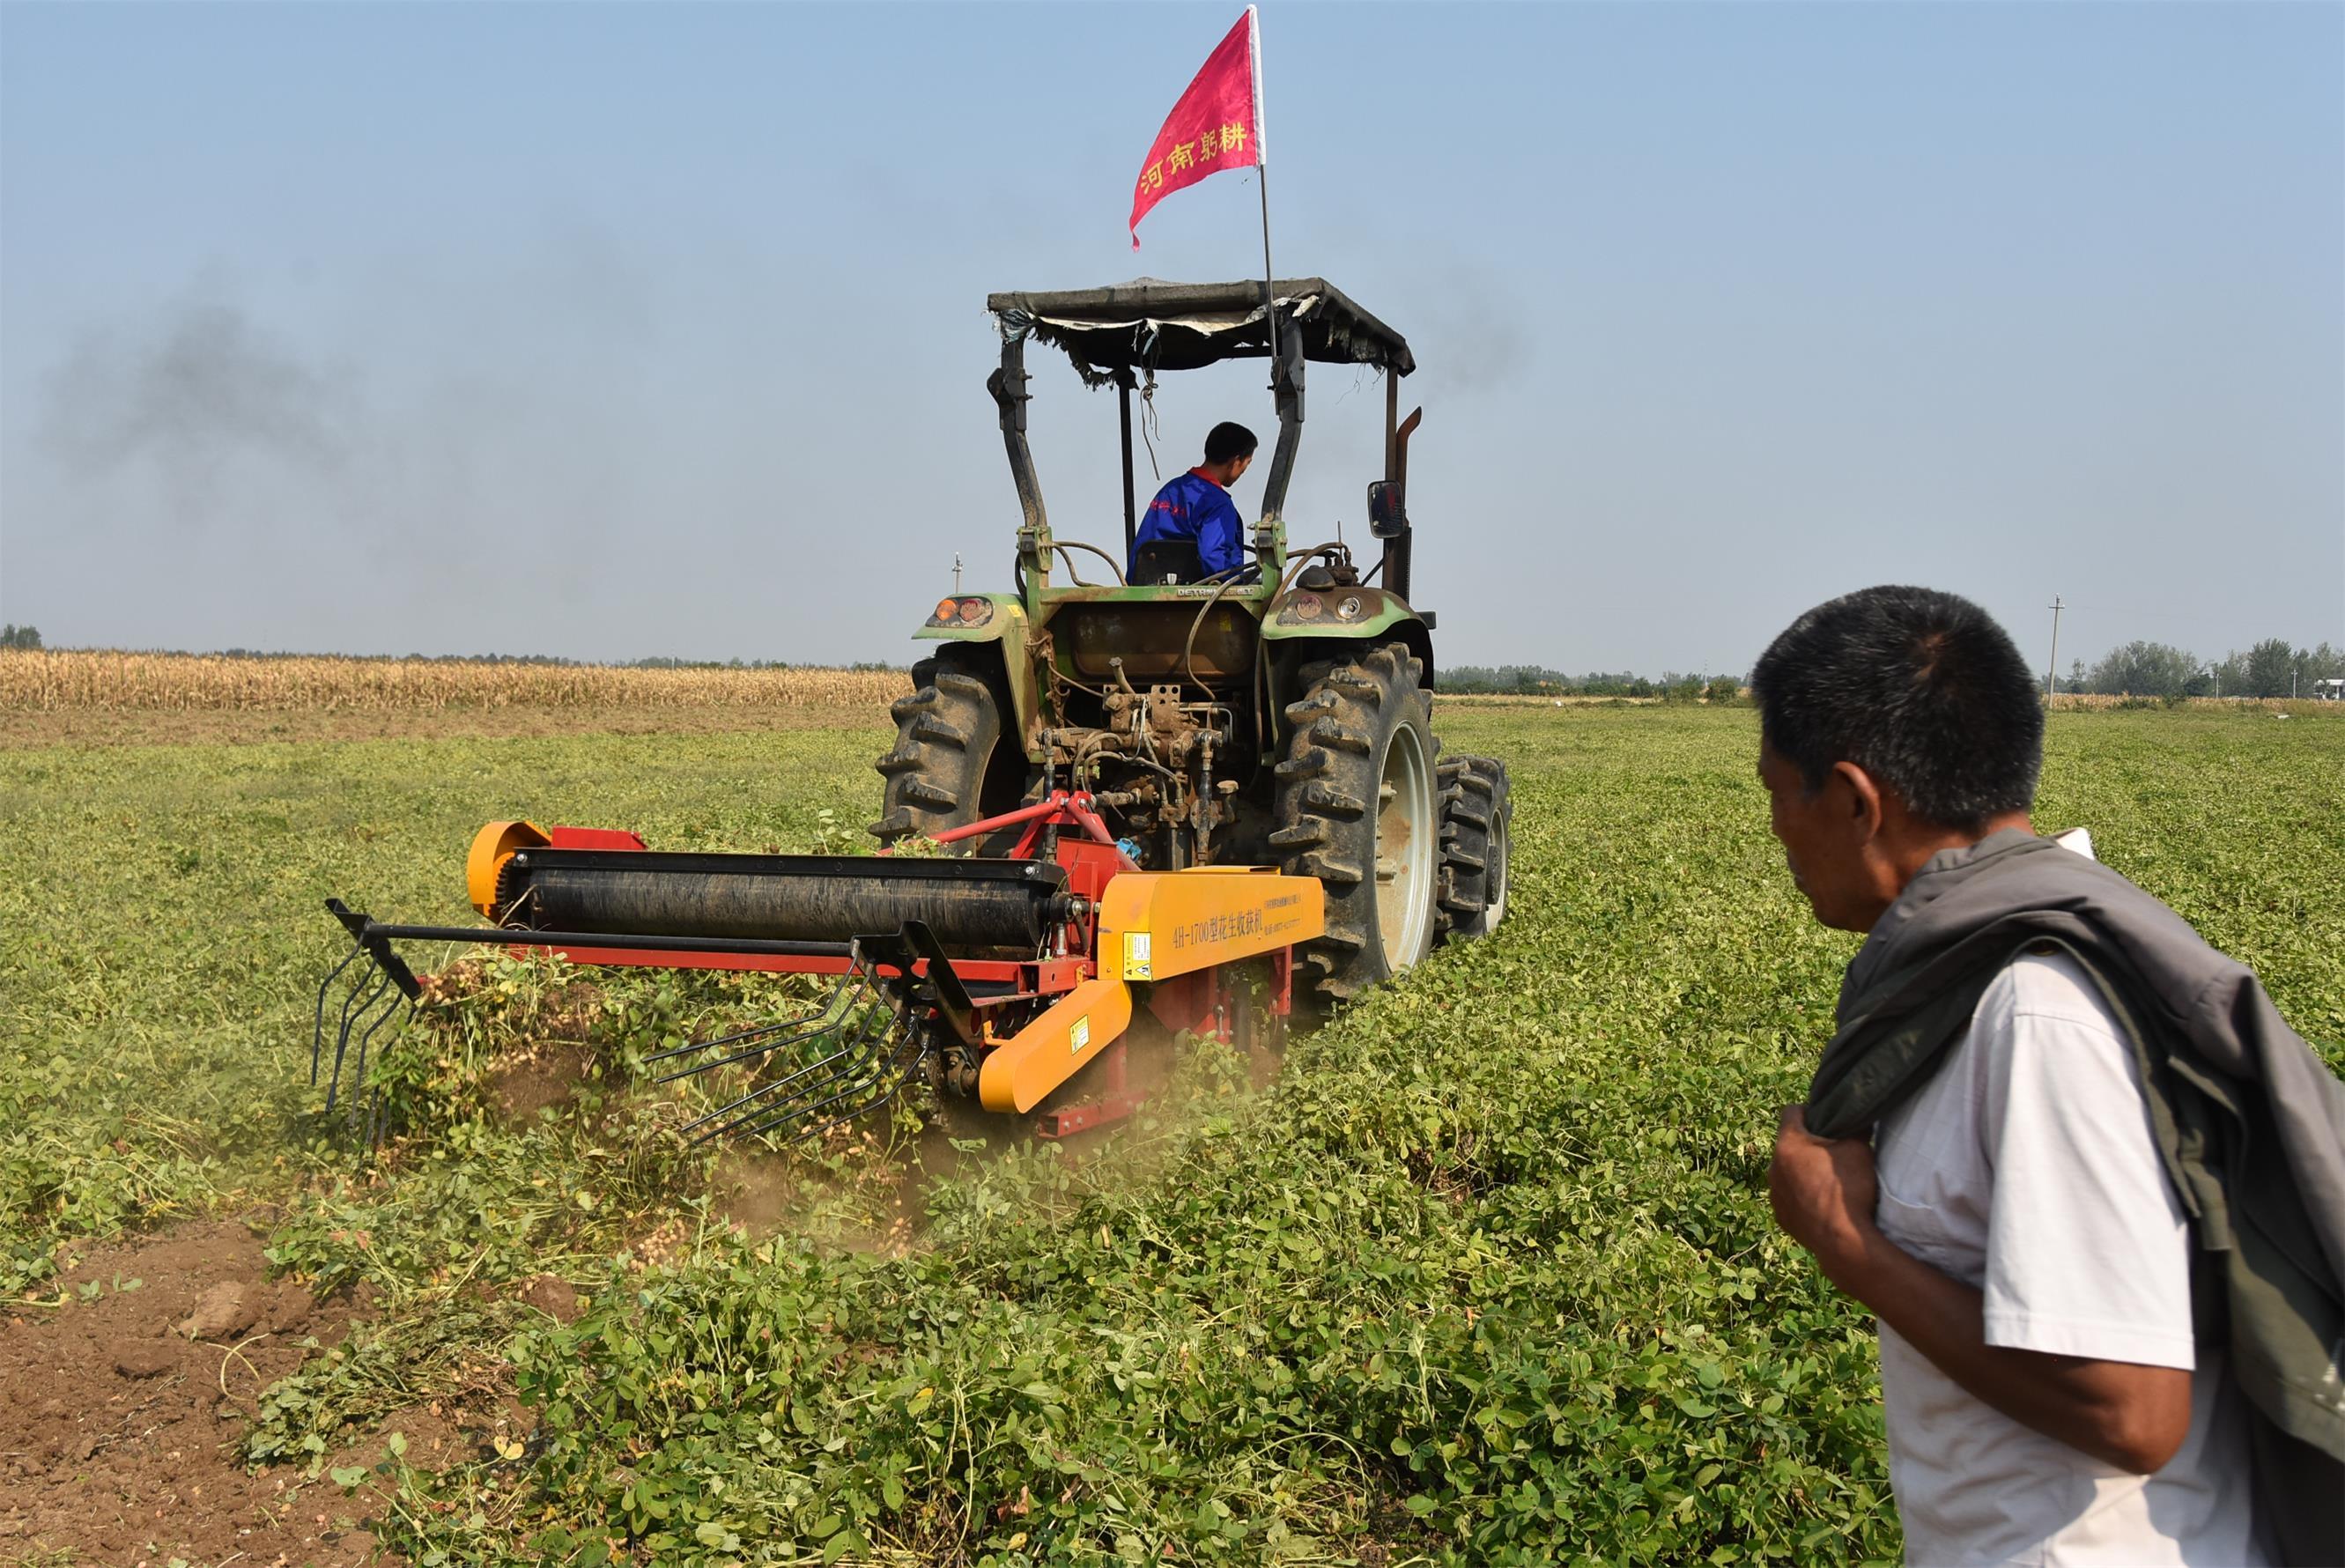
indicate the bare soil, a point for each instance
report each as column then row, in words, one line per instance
column 119, row 1416
column 547, row 1077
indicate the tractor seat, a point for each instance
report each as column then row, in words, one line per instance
column 1162, row 561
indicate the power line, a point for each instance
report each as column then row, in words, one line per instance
column 2052, row 666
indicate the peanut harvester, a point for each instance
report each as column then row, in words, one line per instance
column 1213, row 798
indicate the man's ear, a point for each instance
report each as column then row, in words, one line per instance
column 1860, row 799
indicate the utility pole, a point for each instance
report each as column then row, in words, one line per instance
column 956, row 574
column 2051, row 669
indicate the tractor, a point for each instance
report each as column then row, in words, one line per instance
column 1280, row 714
column 1214, row 799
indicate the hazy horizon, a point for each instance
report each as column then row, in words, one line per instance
column 621, row 333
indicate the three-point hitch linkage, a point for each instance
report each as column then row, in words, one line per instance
column 998, row 977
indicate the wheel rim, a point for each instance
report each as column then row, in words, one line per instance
column 1404, row 846
column 1493, row 898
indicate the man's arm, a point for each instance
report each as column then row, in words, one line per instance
column 2133, row 1417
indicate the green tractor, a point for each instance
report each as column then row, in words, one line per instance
column 1277, row 716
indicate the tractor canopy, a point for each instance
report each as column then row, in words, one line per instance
column 1151, row 325
column 1122, row 335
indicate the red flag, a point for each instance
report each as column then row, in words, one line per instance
column 1217, row 124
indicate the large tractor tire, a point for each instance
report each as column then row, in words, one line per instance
column 1358, row 808
column 1477, row 819
column 948, row 767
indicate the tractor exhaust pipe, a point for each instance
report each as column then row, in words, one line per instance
column 1388, row 505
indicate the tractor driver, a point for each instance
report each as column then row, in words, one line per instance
column 1196, row 505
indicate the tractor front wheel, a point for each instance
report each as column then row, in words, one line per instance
column 1475, row 817
column 947, row 769
column 1358, row 808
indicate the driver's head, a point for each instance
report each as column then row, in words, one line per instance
column 1229, row 451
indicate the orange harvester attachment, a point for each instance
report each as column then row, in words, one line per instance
column 1000, row 976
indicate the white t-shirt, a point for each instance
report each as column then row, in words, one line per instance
column 2027, row 1168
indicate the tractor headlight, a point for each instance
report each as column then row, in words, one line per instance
column 961, row 613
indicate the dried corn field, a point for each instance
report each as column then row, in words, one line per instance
column 64, row 681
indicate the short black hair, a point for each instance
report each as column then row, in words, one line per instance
column 1226, row 441
column 1921, row 689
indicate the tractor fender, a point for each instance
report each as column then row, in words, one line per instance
column 1003, row 625
column 1375, row 617
column 1292, row 640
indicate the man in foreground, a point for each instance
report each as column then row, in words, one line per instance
column 1196, row 505
column 2089, row 1182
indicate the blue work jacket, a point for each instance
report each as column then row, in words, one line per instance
column 1191, row 506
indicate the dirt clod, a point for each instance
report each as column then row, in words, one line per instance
column 222, row 1312
column 547, row 1077
column 290, row 1307
column 555, row 1297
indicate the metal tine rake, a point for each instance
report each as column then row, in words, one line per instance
column 375, row 993
column 883, row 1079
column 872, row 1062
column 761, row 1039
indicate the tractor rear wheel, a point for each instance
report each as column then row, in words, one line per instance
column 1475, row 817
column 948, row 767
column 1358, row 808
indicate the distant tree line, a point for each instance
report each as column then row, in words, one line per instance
column 1536, row 680
column 2270, row 668
column 13, row 635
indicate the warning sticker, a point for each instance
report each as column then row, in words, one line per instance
column 1135, row 956
column 1078, row 1036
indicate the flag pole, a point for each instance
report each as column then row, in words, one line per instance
column 1262, row 184
column 1269, row 279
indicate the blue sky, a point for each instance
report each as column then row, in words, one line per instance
column 626, row 329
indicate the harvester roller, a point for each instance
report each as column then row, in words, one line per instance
column 814, row 898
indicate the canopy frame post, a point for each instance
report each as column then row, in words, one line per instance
column 1286, row 385
column 1008, row 385
column 1131, row 502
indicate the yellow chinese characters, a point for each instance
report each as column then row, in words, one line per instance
column 1213, row 142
